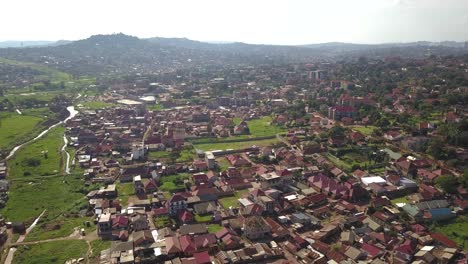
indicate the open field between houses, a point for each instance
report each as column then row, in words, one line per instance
column 16, row 128
column 50, row 252
column 42, row 157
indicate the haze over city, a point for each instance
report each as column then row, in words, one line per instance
column 258, row 22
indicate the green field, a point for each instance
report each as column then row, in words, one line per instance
column 47, row 73
column 125, row 190
column 203, row 218
column 95, row 105
column 99, row 245
column 174, row 182
column 59, row 227
column 162, row 154
column 262, row 127
column 365, row 130
column 229, row 201
column 50, row 252
column 456, row 229
column 213, row 228
column 16, row 128
column 400, row 200
column 186, row 155
column 235, row 145
column 42, row 157
column 28, row 198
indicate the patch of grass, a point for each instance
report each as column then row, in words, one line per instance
column 47, row 73
column 235, row 145
column 339, row 162
column 400, row 200
column 223, row 163
column 365, row 130
column 50, row 252
column 42, row 157
column 162, row 221
column 155, row 107
column 95, row 105
column 456, row 229
column 203, row 218
column 230, row 201
column 159, row 154
column 125, row 190
column 263, row 127
column 99, row 245
column 186, row 155
column 59, row 227
column 27, row 199
column 174, row 182
column 213, row 228
column 16, row 128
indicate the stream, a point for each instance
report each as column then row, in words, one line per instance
column 71, row 110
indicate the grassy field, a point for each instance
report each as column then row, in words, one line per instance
column 47, row 73
column 162, row 154
column 339, row 162
column 162, row 221
column 365, row 130
column 42, row 157
column 50, row 252
column 29, row 198
column 94, row 105
column 229, row 201
column 235, row 145
column 174, row 182
column 125, row 190
column 400, row 200
column 16, row 128
column 59, row 227
column 213, row 228
column 456, row 229
column 203, row 218
column 99, row 245
column 186, row 155
column 262, row 127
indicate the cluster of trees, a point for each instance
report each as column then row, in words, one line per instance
column 449, row 183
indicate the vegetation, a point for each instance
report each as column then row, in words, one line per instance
column 29, row 198
column 213, row 228
column 95, row 105
column 50, row 252
column 455, row 229
column 263, row 127
column 203, row 218
column 173, row 183
column 99, row 245
column 125, row 190
column 60, row 227
column 16, row 128
column 448, row 183
column 44, row 152
column 236, row 145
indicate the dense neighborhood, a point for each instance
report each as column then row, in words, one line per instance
column 328, row 162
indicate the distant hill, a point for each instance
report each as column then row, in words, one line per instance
column 120, row 53
column 28, row 44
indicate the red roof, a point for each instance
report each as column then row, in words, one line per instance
column 443, row 240
column 371, row 250
column 202, row 257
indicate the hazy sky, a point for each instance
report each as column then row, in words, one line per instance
column 251, row 21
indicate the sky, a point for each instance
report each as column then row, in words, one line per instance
column 287, row 22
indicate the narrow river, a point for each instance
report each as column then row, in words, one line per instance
column 71, row 110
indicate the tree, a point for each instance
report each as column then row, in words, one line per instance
column 447, row 183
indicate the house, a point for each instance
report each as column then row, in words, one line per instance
column 176, row 203
column 173, row 246
column 255, row 227
column 205, row 208
column 429, row 192
column 392, row 135
column 104, row 227
column 237, row 161
column 186, row 217
column 139, row 222
column 407, row 168
column 187, row 245
column 338, row 112
column 354, row 254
